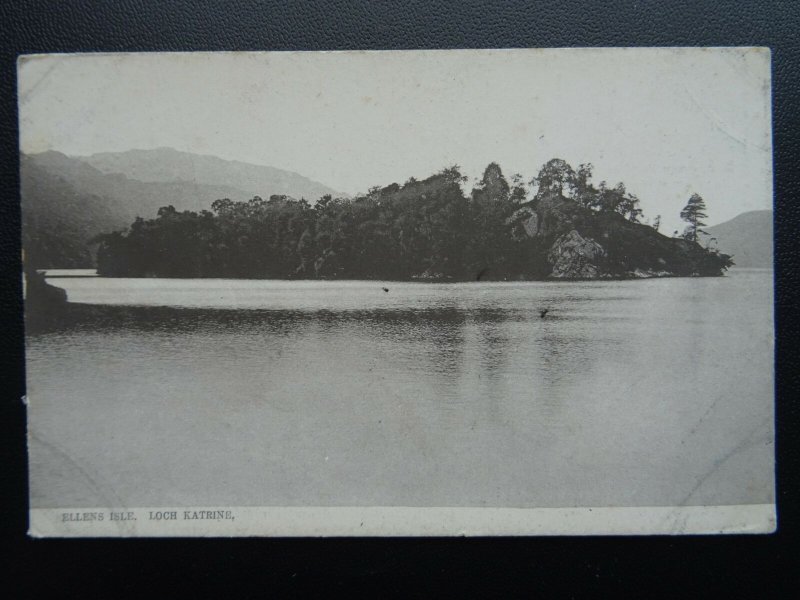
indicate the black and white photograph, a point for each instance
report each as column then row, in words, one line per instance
column 398, row 293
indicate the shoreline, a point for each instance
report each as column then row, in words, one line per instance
column 632, row 276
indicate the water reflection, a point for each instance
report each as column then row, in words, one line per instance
column 446, row 334
column 437, row 396
column 475, row 356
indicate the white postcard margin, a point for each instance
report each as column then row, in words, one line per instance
column 400, row 521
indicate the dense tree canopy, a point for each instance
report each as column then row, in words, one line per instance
column 397, row 232
column 421, row 229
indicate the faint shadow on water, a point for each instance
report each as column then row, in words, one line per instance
column 442, row 327
column 466, row 353
column 439, row 322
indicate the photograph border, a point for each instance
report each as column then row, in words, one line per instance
column 31, row 27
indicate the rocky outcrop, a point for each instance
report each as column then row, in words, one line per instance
column 524, row 224
column 648, row 274
column 573, row 256
column 429, row 274
column 569, row 241
column 44, row 303
column 557, row 215
column 40, row 294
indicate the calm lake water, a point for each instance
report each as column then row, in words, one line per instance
column 214, row 392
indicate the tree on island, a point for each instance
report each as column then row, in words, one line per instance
column 558, row 177
column 554, row 176
column 493, row 201
column 693, row 213
column 656, row 222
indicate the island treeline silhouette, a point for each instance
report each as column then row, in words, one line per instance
column 428, row 229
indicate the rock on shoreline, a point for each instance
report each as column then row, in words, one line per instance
column 579, row 243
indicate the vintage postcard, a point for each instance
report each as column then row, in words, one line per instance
column 461, row 292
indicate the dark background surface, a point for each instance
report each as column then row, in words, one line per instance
column 255, row 568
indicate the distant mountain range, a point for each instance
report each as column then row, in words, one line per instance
column 747, row 238
column 165, row 165
column 68, row 200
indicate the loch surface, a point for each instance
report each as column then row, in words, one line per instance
column 247, row 393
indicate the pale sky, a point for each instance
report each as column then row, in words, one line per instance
column 666, row 122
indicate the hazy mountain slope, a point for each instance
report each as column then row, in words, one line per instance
column 747, row 237
column 58, row 221
column 66, row 200
column 128, row 197
column 168, row 165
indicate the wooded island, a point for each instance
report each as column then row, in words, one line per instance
column 421, row 230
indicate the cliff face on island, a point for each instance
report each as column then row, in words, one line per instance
column 582, row 244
